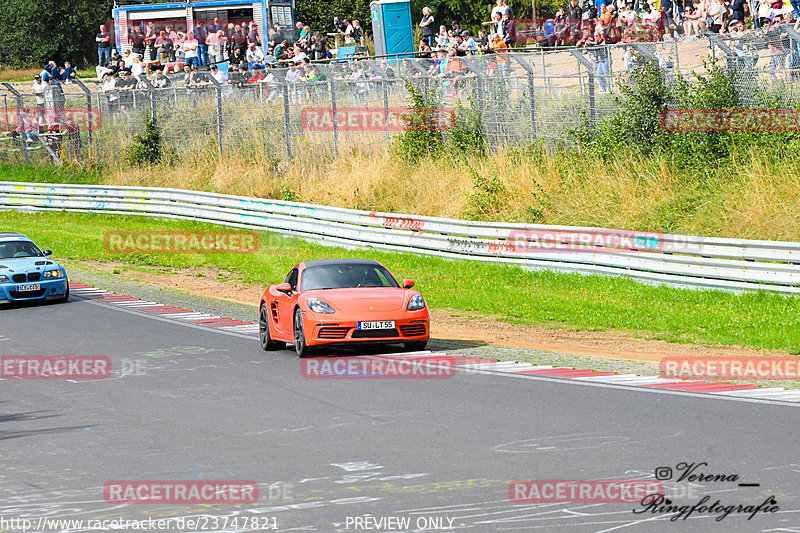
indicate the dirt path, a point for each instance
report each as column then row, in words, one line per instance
column 453, row 324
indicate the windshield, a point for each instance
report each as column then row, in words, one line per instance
column 346, row 276
column 15, row 249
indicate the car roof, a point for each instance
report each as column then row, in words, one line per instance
column 325, row 262
column 12, row 236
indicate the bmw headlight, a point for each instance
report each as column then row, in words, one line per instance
column 3, row 278
column 416, row 303
column 319, row 306
column 52, row 274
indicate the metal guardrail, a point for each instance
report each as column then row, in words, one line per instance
column 687, row 261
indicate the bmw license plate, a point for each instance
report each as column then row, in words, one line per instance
column 377, row 324
column 31, row 287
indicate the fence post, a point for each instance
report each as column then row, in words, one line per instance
column 335, row 115
column 286, row 122
column 220, row 123
column 22, row 141
column 385, row 110
column 590, row 69
column 532, row 89
column 88, row 94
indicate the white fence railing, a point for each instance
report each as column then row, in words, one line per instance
column 731, row 264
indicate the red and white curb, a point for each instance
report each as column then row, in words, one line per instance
column 467, row 363
column 163, row 311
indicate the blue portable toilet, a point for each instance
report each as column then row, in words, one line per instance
column 392, row 28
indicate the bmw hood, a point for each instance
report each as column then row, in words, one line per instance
column 27, row 264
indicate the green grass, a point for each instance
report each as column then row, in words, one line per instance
column 48, row 174
column 760, row 320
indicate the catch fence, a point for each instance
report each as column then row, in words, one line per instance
column 518, row 98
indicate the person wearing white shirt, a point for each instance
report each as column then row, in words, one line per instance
column 222, row 79
column 255, row 57
column 292, row 78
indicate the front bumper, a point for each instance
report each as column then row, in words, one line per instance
column 415, row 327
column 50, row 289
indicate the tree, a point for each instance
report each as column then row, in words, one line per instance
column 319, row 13
column 36, row 31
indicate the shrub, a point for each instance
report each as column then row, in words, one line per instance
column 147, row 148
column 422, row 136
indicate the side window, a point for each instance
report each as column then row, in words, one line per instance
column 291, row 279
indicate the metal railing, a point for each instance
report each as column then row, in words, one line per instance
column 686, row 261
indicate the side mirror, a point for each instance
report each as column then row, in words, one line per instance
column 47, row 252
column 408, row 283
column 284, row 287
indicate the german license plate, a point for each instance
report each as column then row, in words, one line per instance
column 377, row 324
column 31, row 287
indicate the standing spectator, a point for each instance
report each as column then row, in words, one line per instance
column 150, row 36
column 103, row 40
column 37, row 88
column 319, row 47
column 136, row 38
column 200, row 35
column 427, row 26
column 737, row 8
column 497, row 27
column 252, row 35
column 216, row 45
column 215, row 27
column 575, row 13
column 358, row 32
column 716, row 12
column 239, row 39
column 292, row 78
column 163, row 45
column 191, row 50
column 348, row 32
column 277, row 35
column 509, row 30
column 501, row 49
column 499, row 8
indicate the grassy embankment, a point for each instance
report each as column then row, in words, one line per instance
column 750, row 197
column 759, row 320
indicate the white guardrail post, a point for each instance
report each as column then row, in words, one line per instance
column 681, row 260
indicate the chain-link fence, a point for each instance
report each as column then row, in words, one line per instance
column 328, row 109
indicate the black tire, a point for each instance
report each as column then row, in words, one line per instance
column 417, row 346
column 65, row 299
column 263, row 332
column 300, row 345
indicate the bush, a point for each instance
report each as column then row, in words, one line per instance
column 422, row 135
column 486, row 199
column 467, row 136
column 147, row 148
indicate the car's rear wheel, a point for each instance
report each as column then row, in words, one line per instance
column 300, row 345
column 415, row 346
column 263, row 332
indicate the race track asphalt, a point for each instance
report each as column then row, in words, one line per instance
column 203, row 404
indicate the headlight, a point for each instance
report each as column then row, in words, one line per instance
column 3, row 278
column 416, row 303
column 52, row 274
column 319, row 306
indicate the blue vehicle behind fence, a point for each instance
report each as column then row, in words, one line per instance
column 26, row 272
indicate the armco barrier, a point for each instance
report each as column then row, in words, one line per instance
column 699, row 262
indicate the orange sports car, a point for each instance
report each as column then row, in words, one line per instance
column 342, row 301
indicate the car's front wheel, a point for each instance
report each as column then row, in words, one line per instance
column 300, row 345
column 263, row 332
column 64, row 298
